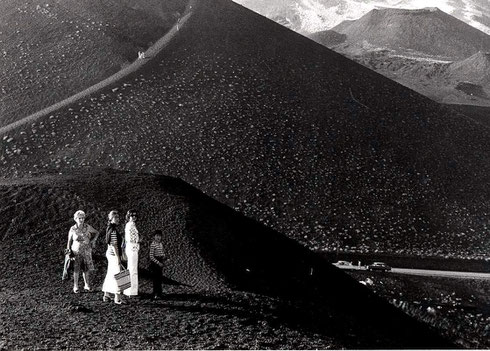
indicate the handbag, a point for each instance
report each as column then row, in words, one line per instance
column 67, row 265
column 123, row 279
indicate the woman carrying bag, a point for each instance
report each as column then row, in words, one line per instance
column 113, row 239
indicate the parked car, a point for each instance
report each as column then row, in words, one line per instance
column 345, row 265
column 379, row 266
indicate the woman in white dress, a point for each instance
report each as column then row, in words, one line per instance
column 132, row 239
column 113, row 239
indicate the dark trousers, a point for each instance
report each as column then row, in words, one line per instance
column 156, row 276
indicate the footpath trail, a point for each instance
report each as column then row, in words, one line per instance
column 150, row 54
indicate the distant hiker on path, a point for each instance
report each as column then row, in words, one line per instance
column 113, row 239
column 81, row 239
column 156, row 264
column 132, row 240
column 178, row 15
column 141, row 55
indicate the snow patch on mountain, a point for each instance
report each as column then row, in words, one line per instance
column 421, row 58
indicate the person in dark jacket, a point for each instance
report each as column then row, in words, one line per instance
column 113, row 240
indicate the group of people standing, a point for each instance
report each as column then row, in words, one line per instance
column 82, row 239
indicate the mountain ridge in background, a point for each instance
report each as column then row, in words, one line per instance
column 425, row 50
column 427, row 31
column 309, row 16
column 419, row 61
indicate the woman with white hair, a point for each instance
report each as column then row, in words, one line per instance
column 113, row 239
column 81, row 239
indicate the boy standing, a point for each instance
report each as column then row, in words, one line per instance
column 156, row 263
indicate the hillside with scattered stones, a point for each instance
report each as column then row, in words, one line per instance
column 53, row 49
column 285, row 131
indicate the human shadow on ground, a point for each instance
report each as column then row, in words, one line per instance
column 294, row 314
column 145, row 273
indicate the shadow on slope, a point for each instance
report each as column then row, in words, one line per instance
column 285, row 131
column 209, row 246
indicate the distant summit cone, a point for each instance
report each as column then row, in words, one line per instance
column 427, row 31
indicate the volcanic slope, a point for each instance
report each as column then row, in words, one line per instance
column 478, row 113
column 52, row 49
column 328, row 38
column 474, row 69
column 428, row 31
column 285, row 131
column 242, row 285
column 452, row 82
column 428, row 58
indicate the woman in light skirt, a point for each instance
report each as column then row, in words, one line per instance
column 113, row 239
column 132, row 239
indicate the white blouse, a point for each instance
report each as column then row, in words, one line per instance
column 131, row 235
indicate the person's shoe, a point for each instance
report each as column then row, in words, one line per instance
column 76, row 290
column 118, row 299
column 106, row 298
column 87, row 288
